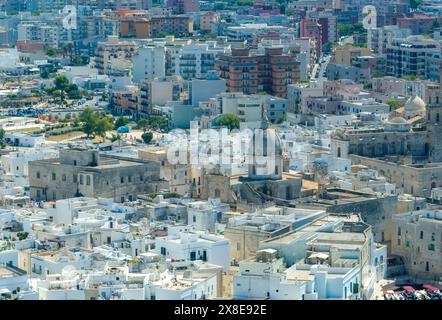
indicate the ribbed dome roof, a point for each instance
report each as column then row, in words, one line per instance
column 397, row 120
column 414, row 103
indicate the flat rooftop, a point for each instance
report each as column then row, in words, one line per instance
column 10, row 272
column 312, row 230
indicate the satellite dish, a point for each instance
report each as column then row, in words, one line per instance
column 69, row 272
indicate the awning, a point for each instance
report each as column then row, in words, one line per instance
column 430, row 287
column 408, row 289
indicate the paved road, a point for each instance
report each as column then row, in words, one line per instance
column 322, row 67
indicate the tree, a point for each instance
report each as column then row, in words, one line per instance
column 394, row 104
column 230, row 121
column 102, row 126
column 79, row 61
column 143, row 124
column 115, row 137
column 61, row 83
column 147, row 137
column 68, row 49
column 22, row 235
column 89, row 121
column 2, row 136
column 120, row 122
column 351, row 29
column 44, row 74
column 159, row 122
column 73, row 92
column 415, row 3
column 282, row 118
column 52, row 52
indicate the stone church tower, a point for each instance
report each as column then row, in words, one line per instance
column 265, row 155
column 434, row 124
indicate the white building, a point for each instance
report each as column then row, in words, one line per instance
column 264, row 278
column 60, row 286
column 196, row 60
column 365, row 105
column 249, row 108
column 182, row 286
column 13, row 279
column 203, row 89
column 379, row 38
column 204, row 215
column 149, row 63
column 54, row 261
column 39, row 32
column 187, row 245
column 21, row 139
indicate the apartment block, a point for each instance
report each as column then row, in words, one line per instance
column 251, row 73
column 155, row 26
column 414, row 56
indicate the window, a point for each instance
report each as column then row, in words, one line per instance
column 398, row 242
column 194, row 218
column 74, row 178
column 431, row 247
column 399, row 231
column 54, row 176
column 421, row 235
column 129, row 178
column 141, row 177
column 88, row 180
column 433, row 236
column 81, row 179
column 122, row 179
column 427, row 266
column 38, row 174
column 63, row 177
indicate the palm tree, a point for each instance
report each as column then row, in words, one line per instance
column 68, row 51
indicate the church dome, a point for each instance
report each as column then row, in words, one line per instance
column 414, row 104
column 397, row 124
column 397, row 120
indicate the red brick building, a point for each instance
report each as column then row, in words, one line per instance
column 270, row 72
column 155, row 26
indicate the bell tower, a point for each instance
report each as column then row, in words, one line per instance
column 434, row 123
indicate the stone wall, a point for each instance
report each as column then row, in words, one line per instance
column 376, row 212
